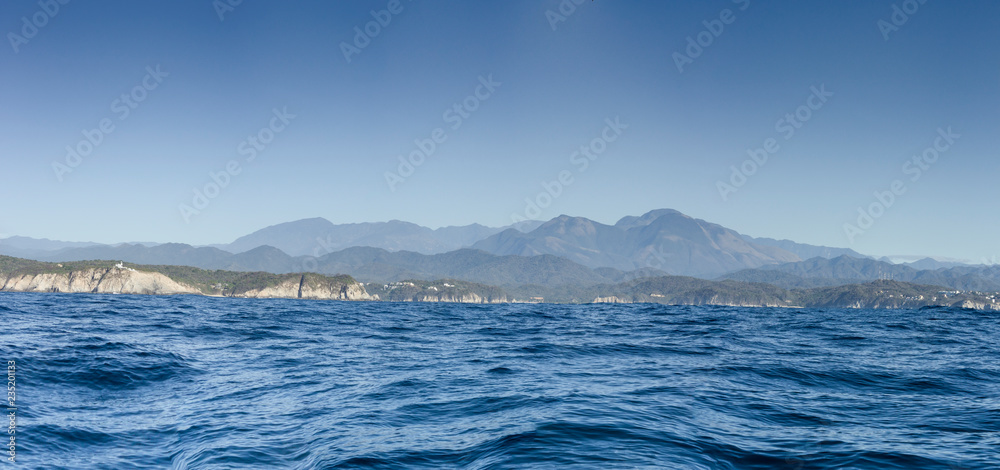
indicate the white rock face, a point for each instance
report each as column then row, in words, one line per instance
column 283, row 290
column 111, row 280
column 978, row 305
column 346, row 292
column 613, row 299
column 130, row 281
column 297, row 289
column 471, row 298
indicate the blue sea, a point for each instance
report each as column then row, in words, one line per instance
column 187, row 382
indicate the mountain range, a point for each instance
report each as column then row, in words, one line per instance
column 316, row 237
column 564, row 251
column 664, row 239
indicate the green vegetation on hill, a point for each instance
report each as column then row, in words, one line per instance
column 886, row 294
column 689, row 290
column 236, row 283
column 214, row 282
column 664, row 290
column 10, row 265
column 820, row 272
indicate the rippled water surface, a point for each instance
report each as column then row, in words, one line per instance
column 106, row 381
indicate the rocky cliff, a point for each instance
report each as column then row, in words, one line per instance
column 309, row 287
column 120, row 279
column 611, row 299
column 440, row 291
column 97, row 280
column 978, row 305
column 470, row 298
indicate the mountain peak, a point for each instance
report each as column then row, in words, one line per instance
column 310, row 223
column 663, row 239
column 569, row 224
column 630, row 221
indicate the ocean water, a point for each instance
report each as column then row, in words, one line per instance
column 121, row 382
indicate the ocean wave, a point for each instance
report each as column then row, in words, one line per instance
column 201, row 383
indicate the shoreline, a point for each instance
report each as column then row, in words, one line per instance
column 515, row 302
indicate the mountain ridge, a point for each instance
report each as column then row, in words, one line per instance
column 661, row 241
column 318, row 236
column 664, row 239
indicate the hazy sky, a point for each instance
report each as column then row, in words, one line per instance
column 310, row 116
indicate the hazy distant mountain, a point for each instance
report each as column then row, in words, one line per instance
column 931, row 263
column 42, row 248
column 927, row 262
column 784, row 279
column 845, row 269
column 575, row 238
column 370, row 264
column 262, row 258
column 41, row 244
column 364, row 263
column 804, row 251
column 569, row 250
column 317, row 237
column 663, row 239
column 26, row 247
column 167, row 254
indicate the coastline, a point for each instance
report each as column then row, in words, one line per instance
column 963, row 305
column 103, row 277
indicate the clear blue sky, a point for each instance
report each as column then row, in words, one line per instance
column 608, row 59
